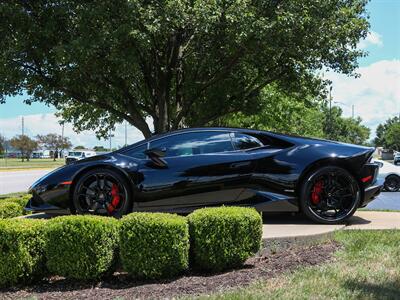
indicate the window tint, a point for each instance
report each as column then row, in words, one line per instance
column 138, row 152
column 244, row 141
column 194, row 143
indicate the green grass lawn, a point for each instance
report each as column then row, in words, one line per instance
column 368, row 267
column 38, row 163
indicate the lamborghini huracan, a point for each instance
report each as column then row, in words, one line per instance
column 183, row 170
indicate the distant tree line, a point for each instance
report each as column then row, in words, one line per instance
column 388, row 134
column 26, row 145
column 300, row 115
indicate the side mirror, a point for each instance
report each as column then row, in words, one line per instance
column 155, row 156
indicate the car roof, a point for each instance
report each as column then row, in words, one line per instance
column 285, row 137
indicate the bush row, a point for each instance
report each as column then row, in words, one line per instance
column 13, row 206
column 146, row 245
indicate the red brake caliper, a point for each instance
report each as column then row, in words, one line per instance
column 316, row 192
column 115, row 198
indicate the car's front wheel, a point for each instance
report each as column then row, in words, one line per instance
column 392, row 183
column 102, row 192
column 330, row 195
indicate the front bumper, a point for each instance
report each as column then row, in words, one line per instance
column 370, row 193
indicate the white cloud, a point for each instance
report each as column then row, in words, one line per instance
column 373, row 38
column 375, row 94
column 48, row 123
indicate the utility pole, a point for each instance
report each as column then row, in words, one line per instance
column 62, row 139
column 352, row 111
column 330, row 112
column 110, row 140
column 23, row 125
column 126, row 133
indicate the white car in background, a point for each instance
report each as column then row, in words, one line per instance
column 389, row 176
column 78, row 155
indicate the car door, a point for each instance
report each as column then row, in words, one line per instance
column 201, row 168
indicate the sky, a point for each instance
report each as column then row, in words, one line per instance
column 375, row 95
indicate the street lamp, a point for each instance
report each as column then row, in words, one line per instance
column 330, row 111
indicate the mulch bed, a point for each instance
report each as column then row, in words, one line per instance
column 121, row 286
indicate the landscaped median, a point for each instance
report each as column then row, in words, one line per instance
column 146, row 245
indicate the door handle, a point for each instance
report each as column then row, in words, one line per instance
column 240, row 164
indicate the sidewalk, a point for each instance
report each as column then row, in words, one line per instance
column 277, row 227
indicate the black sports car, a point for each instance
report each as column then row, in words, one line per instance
column 186, row 169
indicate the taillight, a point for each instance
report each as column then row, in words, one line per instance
column 366, row 179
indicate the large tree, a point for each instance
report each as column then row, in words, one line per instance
column 175, row 62
column 54, row 142
column 25, row 145
column 388, row 134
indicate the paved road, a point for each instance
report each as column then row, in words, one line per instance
column 19, row 181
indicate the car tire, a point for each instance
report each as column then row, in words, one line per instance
column 313, row 201
column 392, row 183
column 100, row 183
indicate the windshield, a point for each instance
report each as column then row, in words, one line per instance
column 76, row 154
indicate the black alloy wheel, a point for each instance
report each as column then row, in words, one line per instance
column 102, row 192
column 330, row 195
column 392, row 183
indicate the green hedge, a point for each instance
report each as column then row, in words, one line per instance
column 13, row 206
column 81, row 247
column 224, row 237
column 21, row 251
column 10, row 210
column 154, row 245
column 150, row 245
column 22, row 201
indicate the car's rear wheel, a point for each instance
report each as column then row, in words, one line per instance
column 102, row 192
column 392, row 183
column 330, row 195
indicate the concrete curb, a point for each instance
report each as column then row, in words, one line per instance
column 276, row 244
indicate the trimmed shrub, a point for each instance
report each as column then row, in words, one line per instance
column 81, row 247
column 154, row 245
column 21, row 251
column 10, row 210
column 22, row 201
column 224, row 237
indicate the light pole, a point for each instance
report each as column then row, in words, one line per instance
column 330, row 112
column 126, row 133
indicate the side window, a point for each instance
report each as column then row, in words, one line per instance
column 244, row 141
column 194, row 143
column 138, row 152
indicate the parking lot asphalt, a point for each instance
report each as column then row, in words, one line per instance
column 386, row 200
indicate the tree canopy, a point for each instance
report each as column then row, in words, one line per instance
column 24, row 144
column 388, row 134
column 175, row 62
